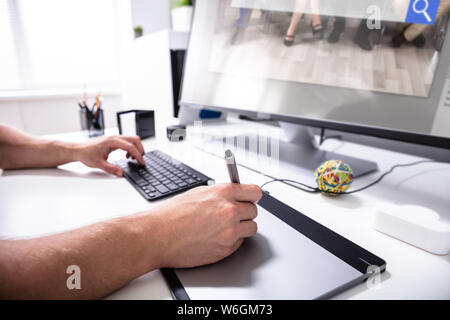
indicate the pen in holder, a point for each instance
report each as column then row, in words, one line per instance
column 83, row 119
column 93, row 122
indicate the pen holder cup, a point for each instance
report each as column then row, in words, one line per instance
column 94, row 123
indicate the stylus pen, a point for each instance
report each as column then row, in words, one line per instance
column 231, row 166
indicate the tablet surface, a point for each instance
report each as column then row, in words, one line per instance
column 291, row 257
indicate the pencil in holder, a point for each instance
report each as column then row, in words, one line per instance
column 83, row 119
column 96, row 123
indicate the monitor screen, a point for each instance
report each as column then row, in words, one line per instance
column 324, row 60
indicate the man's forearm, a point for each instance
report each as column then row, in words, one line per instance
column 39, row 154
column 108, row 254
column 19, row 150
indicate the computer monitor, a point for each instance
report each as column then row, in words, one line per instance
column 378, row 77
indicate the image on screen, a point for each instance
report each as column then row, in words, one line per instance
column 356, row 53
column 301, row 59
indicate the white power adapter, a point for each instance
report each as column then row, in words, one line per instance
column 416, row 225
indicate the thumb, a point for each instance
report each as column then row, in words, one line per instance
column 111, row 168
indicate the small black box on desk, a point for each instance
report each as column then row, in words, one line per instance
column 136, row 122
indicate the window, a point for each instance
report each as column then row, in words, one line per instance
column 54, row 44
column 9, row 73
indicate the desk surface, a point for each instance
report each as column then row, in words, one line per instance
column 39, row 202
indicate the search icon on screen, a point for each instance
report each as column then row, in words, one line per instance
column 423, row 10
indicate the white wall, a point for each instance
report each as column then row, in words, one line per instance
column 146, row 83
column 151, row 15
column 53, row 114
column 56, row 111
column 145, row 80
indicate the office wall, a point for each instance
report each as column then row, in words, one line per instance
column 48, row 115
column 146, row 83
column 55, row 110
column 151, row 15
column 145, row 79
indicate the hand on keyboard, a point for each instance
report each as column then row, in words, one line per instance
column 95, row 154
column 161, row 176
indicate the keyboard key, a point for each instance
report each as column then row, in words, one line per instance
column 172, row 186
column 135, row 177
column 182, row 184
column 162, row 188
column 190, row 181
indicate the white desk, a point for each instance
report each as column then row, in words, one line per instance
column 39, row 202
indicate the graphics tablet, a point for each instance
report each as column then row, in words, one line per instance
column 291, row 257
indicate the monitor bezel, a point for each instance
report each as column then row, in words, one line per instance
column 379, row 132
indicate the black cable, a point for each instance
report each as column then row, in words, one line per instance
column 316, row 189
column 390, row 171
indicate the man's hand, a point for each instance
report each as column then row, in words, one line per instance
column 95, row 154
column 201, row 226
column 206, row 224
column 19, row 150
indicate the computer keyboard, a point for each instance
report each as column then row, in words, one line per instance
column 162, row 175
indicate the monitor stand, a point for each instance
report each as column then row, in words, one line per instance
column 283, row 158
column 302, row 149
